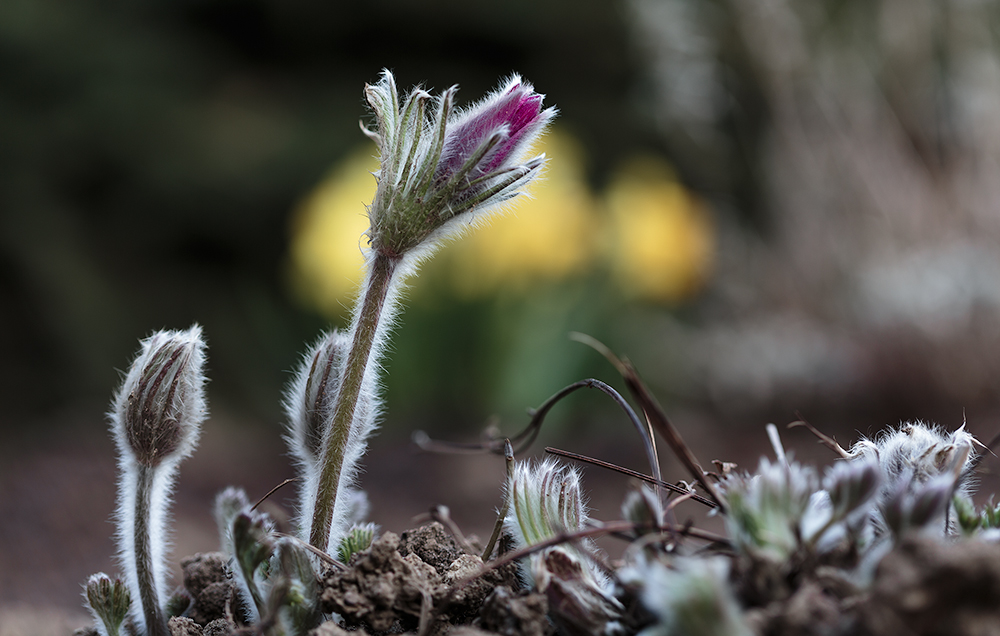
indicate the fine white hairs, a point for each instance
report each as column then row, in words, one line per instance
column 156, row 419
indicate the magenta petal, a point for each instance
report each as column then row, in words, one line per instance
column 514, row 111
column 528, row 112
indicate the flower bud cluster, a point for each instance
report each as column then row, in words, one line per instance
column 766, row 510
column 109, row 601
column 920, row 464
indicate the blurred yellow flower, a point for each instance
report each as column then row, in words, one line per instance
column 656, row 237
column 327, row 228
column 550, row 234
column 663, row 239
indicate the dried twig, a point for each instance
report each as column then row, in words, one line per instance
column 631, row 473
column 323, row 556
column 824, row 439
column 610, row 527
column 272, row 491
column 498, row 526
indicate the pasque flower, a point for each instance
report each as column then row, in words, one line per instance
column 434, row 170
column 438, row 172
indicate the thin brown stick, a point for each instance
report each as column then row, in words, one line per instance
column 272, row 491
column 498, row 526
column 824, row 439
column 323, row 556
column 684, row 497
column 631, row 473
column 610, row 527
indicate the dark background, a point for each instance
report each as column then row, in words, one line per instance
column 152, row 154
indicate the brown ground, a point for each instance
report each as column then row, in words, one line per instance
column 57, row 497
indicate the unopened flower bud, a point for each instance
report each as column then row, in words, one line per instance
column 158, row 411
column 109, row 602
column 253, row 545
column 991, row 514
column 692, row 597
column 970, row 521
column 931, row 500
column 294, row 596
column 229, row 503
column 545, row 500
column 851, row 485
column 913, row 506
column 640, row 507
column 767, row 510
column 358, row 538
column 435, row 169
column 309, row 400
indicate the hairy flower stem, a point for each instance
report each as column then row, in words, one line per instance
column 145, row 562
column 366, row 328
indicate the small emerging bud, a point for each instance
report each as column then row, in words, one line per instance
column 991, row 514
column 851, row 485
column 229, row 503
column 293, row 600
column 767, row 510
column 692, row 597
column 640, row 507
column 253, row 545
column 358, row 538
column 969, row 520
column 158, row 411
column 109, row 601
column 913, row 506
column 545, row 500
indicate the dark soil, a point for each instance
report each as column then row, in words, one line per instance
column 392, row 587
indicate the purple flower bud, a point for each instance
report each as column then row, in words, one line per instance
column 436, row 169
column 514, row 112
column 158, row 411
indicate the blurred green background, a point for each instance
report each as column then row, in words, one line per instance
column 770, row 207
column 153, row 156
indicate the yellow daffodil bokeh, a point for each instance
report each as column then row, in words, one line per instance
column 662, row 244
column 653, row 236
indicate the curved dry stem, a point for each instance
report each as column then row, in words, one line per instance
column 656, row 417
